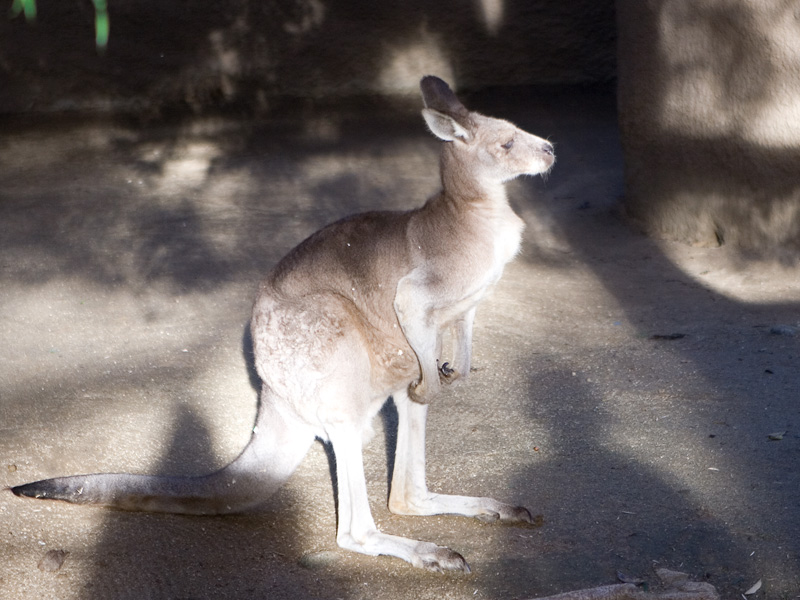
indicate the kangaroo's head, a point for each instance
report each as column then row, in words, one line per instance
column 493, row 150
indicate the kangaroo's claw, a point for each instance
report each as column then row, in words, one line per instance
column 448, row 374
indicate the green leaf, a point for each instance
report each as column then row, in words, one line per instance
column 101, row 23
column 26, row 6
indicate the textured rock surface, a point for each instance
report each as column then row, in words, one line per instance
column 709, row 96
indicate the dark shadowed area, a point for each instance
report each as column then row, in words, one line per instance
column 242, row 54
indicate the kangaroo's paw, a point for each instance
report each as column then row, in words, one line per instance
column 446, row 370
column 447, row 374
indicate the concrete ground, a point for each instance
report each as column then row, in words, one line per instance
column 626, row 390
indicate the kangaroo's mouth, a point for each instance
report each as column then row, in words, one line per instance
column 549, row 157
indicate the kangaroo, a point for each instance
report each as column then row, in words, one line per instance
column 352, row 316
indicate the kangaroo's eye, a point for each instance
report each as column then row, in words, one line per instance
column 508, row 144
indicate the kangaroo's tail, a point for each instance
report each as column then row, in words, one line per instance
column 278, row 444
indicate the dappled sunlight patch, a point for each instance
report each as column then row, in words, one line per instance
column 406, row 62
column 227, row 403
column 733, row 275
column 72, row 333
column 732, row 67
column 188, row 166
column 492, row 13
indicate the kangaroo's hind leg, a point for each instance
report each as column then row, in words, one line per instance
column 356, row 528
column 409, row 492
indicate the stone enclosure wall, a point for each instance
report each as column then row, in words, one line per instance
column 709, row 106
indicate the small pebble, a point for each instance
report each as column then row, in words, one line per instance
column 52, row 561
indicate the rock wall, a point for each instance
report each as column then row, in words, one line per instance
column 709, row 103
column 207, row 53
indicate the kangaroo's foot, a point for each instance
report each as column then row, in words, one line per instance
column 423, row 555
column 487, row 510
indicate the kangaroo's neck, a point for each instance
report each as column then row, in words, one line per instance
column 461, row 183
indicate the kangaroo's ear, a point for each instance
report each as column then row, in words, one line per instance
column 444, row 127
column 436, row 94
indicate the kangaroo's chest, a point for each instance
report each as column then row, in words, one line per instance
column 503, row 236
column 506, row 237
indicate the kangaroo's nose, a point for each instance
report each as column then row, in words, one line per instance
column 547, row 148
